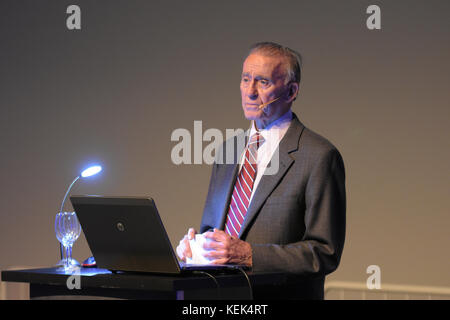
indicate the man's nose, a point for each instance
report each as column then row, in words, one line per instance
column 252, row 91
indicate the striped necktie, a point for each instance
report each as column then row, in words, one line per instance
column 240, row 200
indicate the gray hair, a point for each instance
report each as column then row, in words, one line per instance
column 293, row 58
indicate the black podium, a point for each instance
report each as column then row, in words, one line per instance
column 91, row 283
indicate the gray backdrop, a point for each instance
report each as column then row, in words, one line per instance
column 114, row 91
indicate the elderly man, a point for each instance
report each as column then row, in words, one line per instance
column 290, row 221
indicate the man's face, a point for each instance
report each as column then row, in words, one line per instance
column 262, row 80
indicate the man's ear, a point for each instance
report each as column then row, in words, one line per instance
column 292, row 92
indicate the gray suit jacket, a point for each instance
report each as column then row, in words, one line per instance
column 296, row 220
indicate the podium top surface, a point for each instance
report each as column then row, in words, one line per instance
column 101, row 278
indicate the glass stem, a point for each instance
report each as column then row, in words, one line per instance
column 68, row 255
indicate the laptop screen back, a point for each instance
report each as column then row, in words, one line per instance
column 125, row 233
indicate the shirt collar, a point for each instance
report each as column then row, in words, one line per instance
column 275, row 127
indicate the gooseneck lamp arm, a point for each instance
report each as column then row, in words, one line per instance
column 61, row 249
column 68, row 190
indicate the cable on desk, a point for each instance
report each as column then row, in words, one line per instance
column 215, row 280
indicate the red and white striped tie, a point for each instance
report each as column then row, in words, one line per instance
column 240, row 200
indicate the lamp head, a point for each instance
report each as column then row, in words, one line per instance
column 91, row 171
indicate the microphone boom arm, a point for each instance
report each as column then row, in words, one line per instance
column 262, row 106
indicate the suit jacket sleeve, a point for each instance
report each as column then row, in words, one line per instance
column 208, row 219
column 319, row 251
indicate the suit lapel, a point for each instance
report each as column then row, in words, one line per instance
column 267, row 184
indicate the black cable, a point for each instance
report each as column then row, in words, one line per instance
column 215, row 280
column 218, row 286
column 248, row 280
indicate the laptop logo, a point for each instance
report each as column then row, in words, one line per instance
column 120, row 226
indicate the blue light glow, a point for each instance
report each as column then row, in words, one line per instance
column 91, row 171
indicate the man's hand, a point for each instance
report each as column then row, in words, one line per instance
column 227, row 249
column 184, row 249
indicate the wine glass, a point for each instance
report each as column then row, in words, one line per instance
column 67, row 229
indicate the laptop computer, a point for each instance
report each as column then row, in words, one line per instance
column 127, row 234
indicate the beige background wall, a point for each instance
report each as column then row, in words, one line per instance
column 116, row 90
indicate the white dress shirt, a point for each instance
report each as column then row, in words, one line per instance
column 272, row 135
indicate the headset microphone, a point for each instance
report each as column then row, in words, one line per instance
column 264, row 105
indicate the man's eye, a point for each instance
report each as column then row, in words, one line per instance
column 264, row 82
